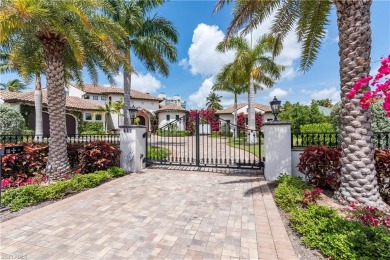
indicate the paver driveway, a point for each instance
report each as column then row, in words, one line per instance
column 158, row 214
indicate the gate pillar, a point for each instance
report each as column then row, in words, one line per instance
column 277, row 149
column 133, row 147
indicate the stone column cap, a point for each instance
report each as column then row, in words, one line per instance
column 270, row 123
column 132, row 126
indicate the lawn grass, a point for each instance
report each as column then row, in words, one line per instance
column 241, row 143
column 158, row 153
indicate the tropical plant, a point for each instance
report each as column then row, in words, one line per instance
column 15, row 85
column 151, row 39
column 11, row 121
column 309, row 20
column 71, row 35
column 117, row 107
column 106, row 109
column 254, row 65
column 228, row 79
column 213, row 101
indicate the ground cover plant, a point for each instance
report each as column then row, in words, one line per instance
column 28, row 195
column 323, row 228
column 158, row 153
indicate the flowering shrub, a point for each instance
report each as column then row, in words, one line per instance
column 205, row 116
column 382, row 83
column 322, row 167
column 241, row 122
column 311, row 196
column 369, row 216
column 11, row 121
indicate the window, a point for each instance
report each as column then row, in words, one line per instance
column 88, row 116
column 246, row 120
column 269, row 119
column 168, row 117
column 228, row 122
column 98, row 117
column 177, row 117
column 103, row 98
column 86, row 97
column 95, row 98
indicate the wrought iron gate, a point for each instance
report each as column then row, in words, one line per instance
column 205, row 143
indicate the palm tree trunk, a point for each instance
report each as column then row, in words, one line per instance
column 54, row 54
column 235, row 116
column 126, row 90
column 38, row 108
column 251, row 113
column 358, row 175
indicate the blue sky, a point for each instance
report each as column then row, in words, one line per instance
column 199, row 32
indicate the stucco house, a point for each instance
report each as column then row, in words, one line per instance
column 76, row 109
column 170, row 113
column 227, row 114
column 100, row 95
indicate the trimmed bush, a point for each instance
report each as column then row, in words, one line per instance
column 11, row 121
column 325, row 229
column 17, row 198
column 91, row 128
column 178, row 133
column 317, row 128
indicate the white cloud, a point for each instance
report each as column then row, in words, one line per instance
column 142, row 82
column 336, row 39
column 278, row 93
column 332, row 93
column 203, row 58
column 291, row 48
column 198, row 99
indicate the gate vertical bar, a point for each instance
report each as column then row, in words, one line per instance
column 197, row 143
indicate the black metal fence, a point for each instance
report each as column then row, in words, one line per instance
column 301, row 140
column 16, row 139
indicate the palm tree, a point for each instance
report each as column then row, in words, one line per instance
column 229, row 80
column 117, row 107
column 106, row 109
column 213, row 101
column 255, row 66
column 151, row 39
column 15, row 85
column 67, row 33
column 358, row 181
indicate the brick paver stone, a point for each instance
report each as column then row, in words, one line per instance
column 157, row 214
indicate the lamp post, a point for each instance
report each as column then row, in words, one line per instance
column 275, row 106
column 132, row 114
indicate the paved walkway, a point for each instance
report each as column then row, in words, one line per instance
column 159, row 214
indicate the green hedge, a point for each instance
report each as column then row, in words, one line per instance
column 17, row 198
column 325, row 229
column 91, row 128
column 173, row 133
column 317, row 128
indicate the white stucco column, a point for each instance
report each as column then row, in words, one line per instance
column 277, row 149
column 133, row 147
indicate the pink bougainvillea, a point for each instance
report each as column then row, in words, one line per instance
column 381, row 82
column 205, row 116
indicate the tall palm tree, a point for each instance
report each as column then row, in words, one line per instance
column 151, row 39
column 213, row 101
column 15, row 85
column 256, row 66
column 230, row 80
column 309, row 20
column 67, row 33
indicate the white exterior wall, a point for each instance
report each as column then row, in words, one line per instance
column 277, row 151
column 227, row 117
column 13, row 105
column 75, row 92
column 163, row 115
column 268, row 117
column 294, row 162
column 151, row 105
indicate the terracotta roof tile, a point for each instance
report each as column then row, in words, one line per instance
column 171, row 107
column 28, row 97
column 230, row 110
column 98, row 89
